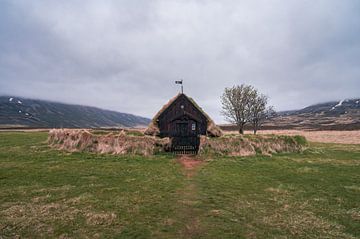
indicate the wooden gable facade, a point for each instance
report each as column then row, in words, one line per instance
column 182, row 120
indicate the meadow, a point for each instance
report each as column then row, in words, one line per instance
column 45, row 193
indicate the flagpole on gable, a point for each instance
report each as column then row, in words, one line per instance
column 180, row 82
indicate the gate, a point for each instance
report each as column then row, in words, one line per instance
column 185, row 140
column 185, row 144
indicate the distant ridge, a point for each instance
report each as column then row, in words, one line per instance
column 23, row 112
column 332, row 108
column 333, row 115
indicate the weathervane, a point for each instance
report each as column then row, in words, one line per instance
column 180, row 82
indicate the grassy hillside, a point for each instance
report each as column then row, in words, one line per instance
column 46, row 193
column 20, row 112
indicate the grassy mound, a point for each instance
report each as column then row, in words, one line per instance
column 238, row 145
column 123, row 142
column 135, row 143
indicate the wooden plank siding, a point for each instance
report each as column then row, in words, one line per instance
column 182, row 111
column 183, row 122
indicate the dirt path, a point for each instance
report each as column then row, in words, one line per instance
column 190, row 164
column 189, row 197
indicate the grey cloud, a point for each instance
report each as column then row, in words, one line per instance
column 125, row 55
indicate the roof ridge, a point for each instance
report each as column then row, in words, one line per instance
column 211, row 128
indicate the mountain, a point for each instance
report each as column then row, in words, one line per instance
column 334, row 115
column 333, row 108
column 22, row 112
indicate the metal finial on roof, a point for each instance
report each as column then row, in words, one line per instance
column 180, row 82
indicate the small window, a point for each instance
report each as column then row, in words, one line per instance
column 193, row 126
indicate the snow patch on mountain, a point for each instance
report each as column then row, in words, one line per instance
column 338, row 104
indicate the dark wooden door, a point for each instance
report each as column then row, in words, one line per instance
column 182, row 129
column 186, row 139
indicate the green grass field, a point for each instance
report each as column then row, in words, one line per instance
column 46, row 193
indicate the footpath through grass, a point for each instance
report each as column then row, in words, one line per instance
column 46, row 193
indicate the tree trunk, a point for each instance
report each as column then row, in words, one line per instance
column 241, row 129
column 255, row 128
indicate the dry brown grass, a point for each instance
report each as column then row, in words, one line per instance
column 102, row 218
column 121, row 143
column 237, row 145
column 78, row 140
column 299, row 220
column 303, row 223
column 39, row 215
column 339, row 137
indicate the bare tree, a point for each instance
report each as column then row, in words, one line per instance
column 260, row 111
column 236, row 105
column 258, row 107
column 244, row 104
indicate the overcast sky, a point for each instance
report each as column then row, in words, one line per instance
column 126, row 55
